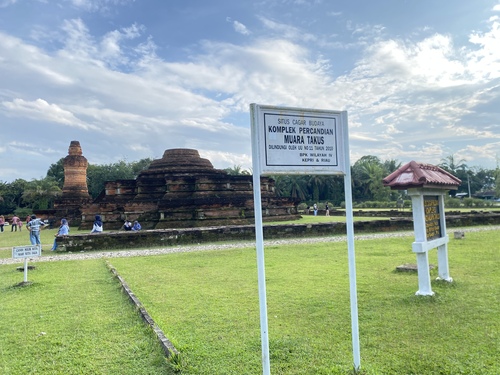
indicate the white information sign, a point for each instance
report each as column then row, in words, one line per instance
column 300, row 140
column 26, row 251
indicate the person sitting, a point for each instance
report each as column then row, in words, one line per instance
column 127, row 225
column 62, row 231
column 136, row 226
column 97, row 227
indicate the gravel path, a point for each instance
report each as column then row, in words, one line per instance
column 243, row 244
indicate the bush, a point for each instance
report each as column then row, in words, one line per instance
column 474, row 202
column 302, row 207
column 467, row 202
column 375, row 204
column 23, row 212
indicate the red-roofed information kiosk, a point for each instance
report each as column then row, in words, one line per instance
column 427, row 186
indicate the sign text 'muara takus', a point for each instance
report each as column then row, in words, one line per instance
column 298, row 140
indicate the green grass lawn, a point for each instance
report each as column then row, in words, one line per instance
column 311, row 219
column 74, row 320
column 10, row 239
column 207, row 303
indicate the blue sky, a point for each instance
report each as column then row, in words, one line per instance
column 420, row 79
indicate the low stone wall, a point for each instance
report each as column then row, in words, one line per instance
column 174, row 237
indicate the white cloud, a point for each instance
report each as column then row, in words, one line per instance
column 401, row 93
column 97, row 5
column 484, row 63
column 238, row 26
column 286, row 31
column 430, row 62
column 40, row 110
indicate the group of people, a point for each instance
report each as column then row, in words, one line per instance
column 129, row 226
column 15, row 223
column 315, row 209
column 34, row 225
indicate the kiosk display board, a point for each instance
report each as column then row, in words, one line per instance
column 432, row 217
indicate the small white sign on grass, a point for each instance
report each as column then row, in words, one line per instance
column 26, row 252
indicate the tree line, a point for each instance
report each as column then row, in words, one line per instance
column 23, row 197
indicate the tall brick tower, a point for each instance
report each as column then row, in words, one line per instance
column 75, row 173
column 75, row 191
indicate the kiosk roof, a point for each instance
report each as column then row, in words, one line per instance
column 414, row 175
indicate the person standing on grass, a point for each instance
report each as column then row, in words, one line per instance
column 315, row 209
column 63, row 231
column 34, row 227
column 13, row 223
column 327, row 210
column 20, row 224
column 2, row 222
column 97, row 228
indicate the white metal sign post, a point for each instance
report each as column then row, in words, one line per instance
column 300, row 141
column 26, row 252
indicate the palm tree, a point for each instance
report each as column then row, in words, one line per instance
column 391, row 165
column 368, row 173
column 316, row 182
column 40, row 194
column 298, row 187
column 452, row 165
column 237, row 170
column 293, row 186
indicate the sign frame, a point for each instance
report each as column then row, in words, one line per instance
column 30, row 251
column 26, row 251
column 300, row 141
column 261, row 166
column 428, row 219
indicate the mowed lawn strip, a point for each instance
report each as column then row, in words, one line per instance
column 72, row 319
column 207, row 304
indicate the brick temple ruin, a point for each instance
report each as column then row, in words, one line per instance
column 180, row 190
column 75, row 192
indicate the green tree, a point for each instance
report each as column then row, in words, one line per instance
column 367, row 174
column 333, row 190
column 98, row 175
column 452, row 165
column 294, row 186
column 459, row 169
column 317, row 184
column 237, row 170
column 12, row 195
column 40, row 194
column 139, row 166
column 390, row 166
column 56, row 172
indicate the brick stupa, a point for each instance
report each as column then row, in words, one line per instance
column 183, row 190
column 75, row 191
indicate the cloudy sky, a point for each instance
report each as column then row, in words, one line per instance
column 420, row 79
